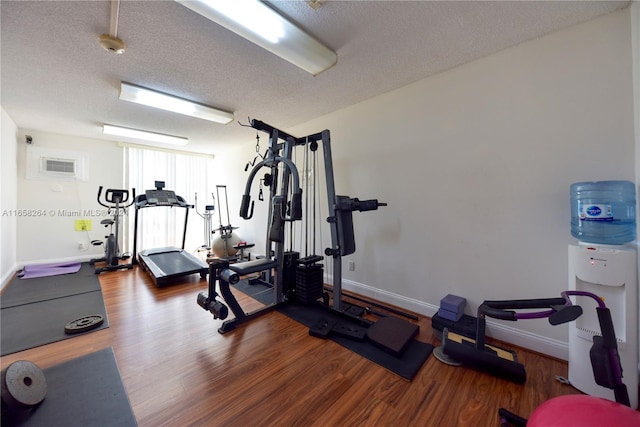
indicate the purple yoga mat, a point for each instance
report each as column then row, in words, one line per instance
column 46, row 270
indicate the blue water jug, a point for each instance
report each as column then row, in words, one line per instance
column 603, row 212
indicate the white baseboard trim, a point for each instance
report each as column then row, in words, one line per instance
column 6, row 278
column 528, row 340
column 77, row 258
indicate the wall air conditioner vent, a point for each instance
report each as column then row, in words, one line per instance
column 47, row 164
column 65, row 167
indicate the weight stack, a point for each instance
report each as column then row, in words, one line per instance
column 309, row 282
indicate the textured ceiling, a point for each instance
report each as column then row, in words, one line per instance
column 56, row 77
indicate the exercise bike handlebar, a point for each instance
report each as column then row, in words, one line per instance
column 111, row 196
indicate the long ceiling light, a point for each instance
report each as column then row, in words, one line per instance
column 260, row 24
column 143, row 135
column 144, row 96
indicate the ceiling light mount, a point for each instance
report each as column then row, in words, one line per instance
column 110, row 42
column 314, row 4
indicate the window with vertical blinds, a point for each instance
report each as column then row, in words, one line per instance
column 187, row 175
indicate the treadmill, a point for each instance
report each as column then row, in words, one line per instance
column 165, row 265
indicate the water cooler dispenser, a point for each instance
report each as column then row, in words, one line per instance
column 606, row 264
column 609, row 272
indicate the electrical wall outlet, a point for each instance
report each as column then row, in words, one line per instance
column 352, row 266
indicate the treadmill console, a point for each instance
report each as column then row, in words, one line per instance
column 152, row 198
column 161, row 197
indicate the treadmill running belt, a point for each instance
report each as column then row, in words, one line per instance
column 172, row 263
column 166, row 264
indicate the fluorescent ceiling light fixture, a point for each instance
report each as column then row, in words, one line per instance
column 144, row 96
column 143, row 135
column 258, row 23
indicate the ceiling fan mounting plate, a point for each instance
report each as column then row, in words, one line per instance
column 112, row 44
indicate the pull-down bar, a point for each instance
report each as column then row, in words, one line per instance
column 264, row 127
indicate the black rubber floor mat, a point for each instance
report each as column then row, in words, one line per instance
column 39, row 323
column 407, row 365
column 258, row 291
column 87, row 391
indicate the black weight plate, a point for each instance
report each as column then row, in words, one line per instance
column 83, row 324
column 23, row 385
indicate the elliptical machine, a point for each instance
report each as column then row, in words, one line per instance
column 116, row 200
column 208, row 231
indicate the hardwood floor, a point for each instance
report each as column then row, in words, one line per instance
column 179, row 371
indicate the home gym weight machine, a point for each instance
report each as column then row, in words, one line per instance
column 279, row 266
column 113, row 200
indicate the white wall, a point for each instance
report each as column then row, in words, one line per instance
column 230, row 171
column 476, row 163
column 50, row 236
column 635, row 34
column 8, row 197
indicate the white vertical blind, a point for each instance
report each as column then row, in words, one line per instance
column 183, row 173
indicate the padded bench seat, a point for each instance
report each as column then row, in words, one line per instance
column 248, row 267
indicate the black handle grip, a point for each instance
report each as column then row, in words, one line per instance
column 525, row 303
column 369, row 205
column 244, row 206
column 497, row 313
column 296, row 205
